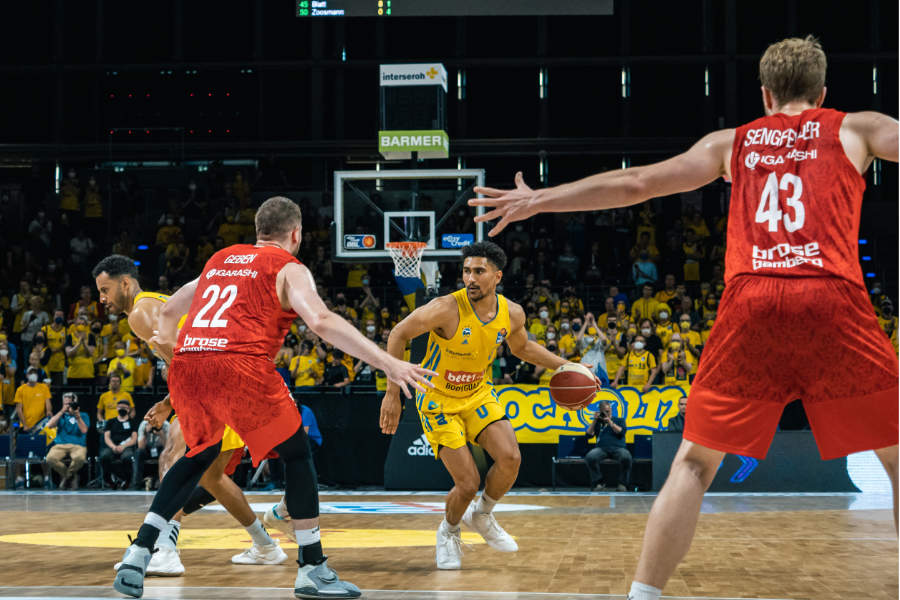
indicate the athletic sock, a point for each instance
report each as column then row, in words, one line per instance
column 259, row 534
column 485, row 504
column 149, row 532
column 450, row 528
column 169, row 536
column 281, row 510
column 309, row 551
column 640, row 591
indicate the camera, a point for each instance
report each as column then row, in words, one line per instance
column 73, row 403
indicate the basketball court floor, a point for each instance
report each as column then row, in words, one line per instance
column 572, row 545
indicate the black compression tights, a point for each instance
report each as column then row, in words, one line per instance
column 301, row 491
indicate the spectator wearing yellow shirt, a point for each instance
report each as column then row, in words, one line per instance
column 567, row 343
column 710, row 306
column 70, row 196
column 345, row 310
column 167, row 231
column 80, row 347
column 887, row 320
column 124, row 367
column 639, row 366
column 55, row 338
column 669, row 290
column 304, row 366
column 677, row 363
column 664, row 325
column 707, row 327
column 543, row 374
column 575, row 303
column 85, row 305
column 7, row 381
column 693, row 255
column 143, row 371
column 690, row 338
column 539, row 325
column 32, row 401
column 609, row 310
column 611, row 352
column 644, row 244
column 646, row 306
column 696, row 223
column 106, row 405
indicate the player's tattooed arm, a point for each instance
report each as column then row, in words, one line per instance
column 525, row 349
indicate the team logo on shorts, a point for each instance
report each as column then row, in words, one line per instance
column 501, row 336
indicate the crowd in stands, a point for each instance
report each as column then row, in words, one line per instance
column 630, row 291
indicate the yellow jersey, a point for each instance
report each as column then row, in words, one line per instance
column 638, row 367
column 463, row 362
column 56, row 341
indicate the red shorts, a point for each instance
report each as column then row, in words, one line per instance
column 778, row 339
column 244, row 392
column 236, row 457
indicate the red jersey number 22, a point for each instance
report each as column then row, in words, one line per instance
column 215, row 293
column 769, row 210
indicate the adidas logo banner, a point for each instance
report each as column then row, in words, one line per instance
column 420, row 447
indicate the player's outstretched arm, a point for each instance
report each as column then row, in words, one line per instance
column 702, row 163
column 440, row 314
column 525, row 349
column 297, row 290
column 867, row 135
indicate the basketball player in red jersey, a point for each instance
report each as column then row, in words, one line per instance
column 238, row 312
column 791, row 269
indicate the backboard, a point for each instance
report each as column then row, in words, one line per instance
column 372, row 208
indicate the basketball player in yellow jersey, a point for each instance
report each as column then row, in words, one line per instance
column 465, row 329
column 120, row 292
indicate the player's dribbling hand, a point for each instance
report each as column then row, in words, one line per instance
column 509, row 205
column 390, row 413
column 158, row 413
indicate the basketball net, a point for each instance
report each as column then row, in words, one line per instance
column 407, row 257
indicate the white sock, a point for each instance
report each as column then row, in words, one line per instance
column 485, row 503
column 259, row 534
column 307, row 537
column 281, row 510
column 451, row 528
column 641, row 591
column 168, row 537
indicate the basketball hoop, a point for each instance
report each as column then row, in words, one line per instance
column 407, row 257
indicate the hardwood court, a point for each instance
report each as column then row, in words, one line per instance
column 774, row 547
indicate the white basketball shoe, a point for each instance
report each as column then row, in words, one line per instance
column 272, row 521
column 164, row 562
column 448, row 550
column 271, row 554
column 486, row 526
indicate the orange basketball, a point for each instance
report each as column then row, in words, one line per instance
column 573, row 386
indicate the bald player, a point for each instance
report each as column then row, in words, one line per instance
column 116, row 277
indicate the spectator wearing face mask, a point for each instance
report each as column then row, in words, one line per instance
column 592, row 344
column 108, row 403
column 384, row 321
column 124, row 367
column 690, row 336
column 342, row 308
column 32, row 321
column 54, row 336
column 668, row 292
column 539, row 325
column 611, row 352
column 85, row 305
column 32, row 401
column 70, row 441
column 568, row 345
column 677, row 363
column 609, row 310
column 710, row 306
column 118, row 447
column 639, row 366
column 7, row 381
column 336, row 374
column 80, row 347
column 369, row 305
column 150, row 444
column 623, row 344
column 653, row 342
column 168, row 231
column 664, row 325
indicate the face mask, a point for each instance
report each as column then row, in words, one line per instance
column 95, row 330
column 123, row 412
column 589, row 339
column 639, row 345
column 365, row 281
column 113, row 318
column 120, row 352
column 576, row 327
column 685, row 325
column 564, row 311
column 301, row 328
column 675, row 347
column 564, row 325
column 370, row 328
column 876, row 290
column 552, row 348
column 551, row 336
column 663, row 315
column 32, row 377
column 646, row 331
column 58, row 320
column 544, row 314
column 459, row 285
column 611, row 324
column 4, row 352
column 192, row 186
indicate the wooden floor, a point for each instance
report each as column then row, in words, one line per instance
column 823, row 547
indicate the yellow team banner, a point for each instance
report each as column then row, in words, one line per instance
column 537, row 419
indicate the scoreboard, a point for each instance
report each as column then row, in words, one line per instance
column 449, row 8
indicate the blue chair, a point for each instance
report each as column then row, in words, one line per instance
column 570, row 451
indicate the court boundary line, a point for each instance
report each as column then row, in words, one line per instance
column 280, row 589
column 126, row 493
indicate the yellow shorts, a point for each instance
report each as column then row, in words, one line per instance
column 231, row 440
column 454, row 429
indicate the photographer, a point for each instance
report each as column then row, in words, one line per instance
column 71, row 441
column 151, row 441
column 119, row 441
column 610, row 432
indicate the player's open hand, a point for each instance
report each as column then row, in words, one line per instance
column 409, row 376
column 390, row 413
column 509, row 205
column 158, row 413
